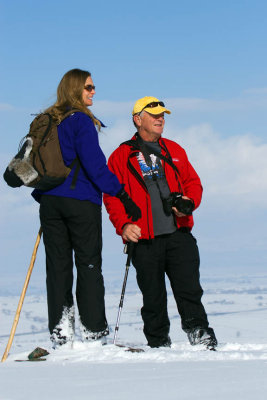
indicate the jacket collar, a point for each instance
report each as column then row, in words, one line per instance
column 161, row 143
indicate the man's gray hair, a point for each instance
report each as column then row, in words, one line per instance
column 140, row 116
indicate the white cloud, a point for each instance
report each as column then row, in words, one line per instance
column 230, row 168
column 241, row 103
column 233, row 171
column 234, row 166
column 112, row 108
column 6, row 107
column 111, row 138
column 249, row 101
column 256, row 90
column 14, row 202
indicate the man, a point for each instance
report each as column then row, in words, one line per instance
column 161, row 181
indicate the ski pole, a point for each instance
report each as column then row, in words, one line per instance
column 16, row 319
column 130, row 247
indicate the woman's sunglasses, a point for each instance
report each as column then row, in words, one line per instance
column 89, row 88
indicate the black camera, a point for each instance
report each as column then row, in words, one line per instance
column 175, row 200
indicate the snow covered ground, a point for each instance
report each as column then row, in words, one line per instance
column 237, row 308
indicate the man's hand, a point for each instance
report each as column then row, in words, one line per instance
column 177, row 212
column 131, row 233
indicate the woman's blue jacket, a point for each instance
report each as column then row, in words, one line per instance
column 78, row 137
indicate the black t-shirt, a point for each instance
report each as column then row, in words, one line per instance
column 162, row 223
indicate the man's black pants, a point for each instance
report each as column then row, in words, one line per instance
column 73, row 225
column 176, row 255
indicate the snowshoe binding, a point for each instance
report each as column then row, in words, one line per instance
column 203, row 336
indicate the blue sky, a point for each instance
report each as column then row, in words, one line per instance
column 206, row 59
column 176, row 48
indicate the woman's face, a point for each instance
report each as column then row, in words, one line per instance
column 88, row 92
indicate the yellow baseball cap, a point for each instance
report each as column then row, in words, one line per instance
column 150, row 104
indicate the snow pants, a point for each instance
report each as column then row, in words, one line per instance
column 73, row 226
column 177, row 256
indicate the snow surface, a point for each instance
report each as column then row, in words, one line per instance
column 237, row 308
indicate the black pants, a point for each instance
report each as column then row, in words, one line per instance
column 73, row 225
column 176, row 255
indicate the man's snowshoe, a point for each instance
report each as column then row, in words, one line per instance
column 204, row 336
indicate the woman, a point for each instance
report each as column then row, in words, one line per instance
column 70, row 215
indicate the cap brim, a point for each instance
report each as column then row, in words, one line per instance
column 157, row 110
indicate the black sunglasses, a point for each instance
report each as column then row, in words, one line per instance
column 89, row 87
column 153, row 105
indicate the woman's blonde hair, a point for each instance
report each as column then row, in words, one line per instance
column 69, row 96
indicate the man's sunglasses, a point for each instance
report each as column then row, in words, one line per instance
column 89, row 88
column 153, row 105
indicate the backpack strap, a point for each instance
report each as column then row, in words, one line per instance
column 75, row 163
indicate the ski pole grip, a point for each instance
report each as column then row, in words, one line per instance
column 130, row 249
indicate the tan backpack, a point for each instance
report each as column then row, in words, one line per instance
column 39, row 163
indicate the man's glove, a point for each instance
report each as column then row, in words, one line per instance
column 132, row 210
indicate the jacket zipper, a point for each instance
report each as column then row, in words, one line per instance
column 137, row 176
column 147, row 219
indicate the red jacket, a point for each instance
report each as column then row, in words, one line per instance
column 124, row 164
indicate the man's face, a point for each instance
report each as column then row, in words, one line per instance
column 150, row 126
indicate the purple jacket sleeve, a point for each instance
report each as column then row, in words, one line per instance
column 92, row 157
